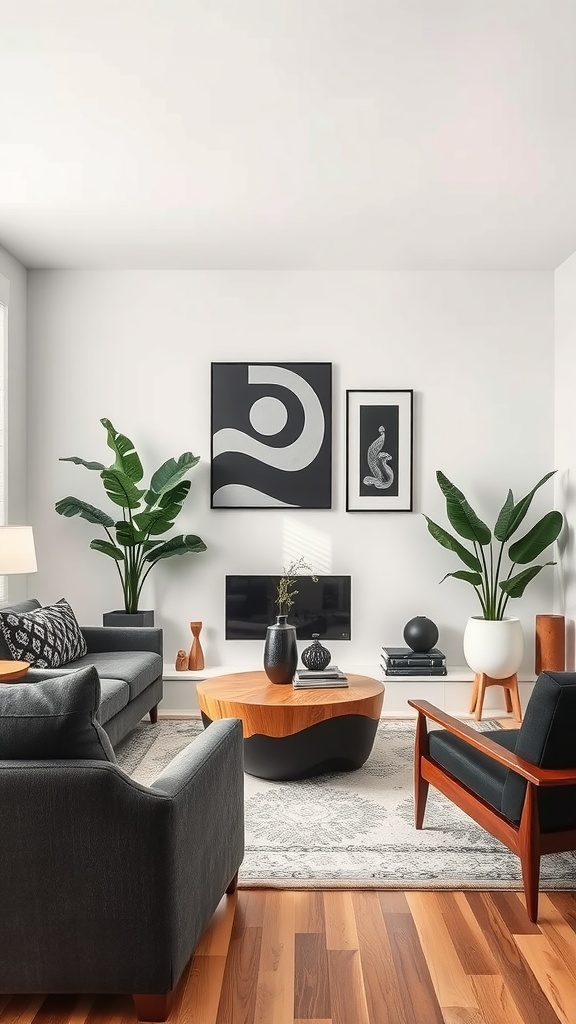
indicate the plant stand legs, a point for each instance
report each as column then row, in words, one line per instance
column 511, row 694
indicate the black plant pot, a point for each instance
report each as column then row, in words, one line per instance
column 280, row 651
column 121, row 618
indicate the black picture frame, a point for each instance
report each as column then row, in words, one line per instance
column 271, row 435
column 379, row 450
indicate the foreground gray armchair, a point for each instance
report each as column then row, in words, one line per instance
column 106, row 885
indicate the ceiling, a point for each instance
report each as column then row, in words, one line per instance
column 297, row 134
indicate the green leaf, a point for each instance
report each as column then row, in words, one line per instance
column 74, row 507
column 537, row 539
column 520, row 510
column 176, row 494
column 516, row 585
column 127, row 458
column 461, row 515
column 181, row 545
column 126, row 535
column 470, row 577
column 157, row 521
column 171, row 471
column 107, row 549
column 450, row 542
column 504, row 516
column 81, row 462
column 120, row 489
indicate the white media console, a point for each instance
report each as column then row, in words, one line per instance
column 451, row 692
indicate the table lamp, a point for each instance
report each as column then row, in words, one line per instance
column 17, row 553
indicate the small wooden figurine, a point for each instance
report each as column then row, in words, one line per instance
column 182, row 661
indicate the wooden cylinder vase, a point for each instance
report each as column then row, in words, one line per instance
column 550, row 644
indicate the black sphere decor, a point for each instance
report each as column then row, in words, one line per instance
column 315, row 658
column 421, row 634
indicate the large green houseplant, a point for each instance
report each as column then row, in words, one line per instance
column 147, row 513
column 493, row 643
column 492, row 560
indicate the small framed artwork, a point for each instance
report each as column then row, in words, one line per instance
column 271, row 435
column 379, row 451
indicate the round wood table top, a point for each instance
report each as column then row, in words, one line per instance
column 12, row 670
column 275, row 709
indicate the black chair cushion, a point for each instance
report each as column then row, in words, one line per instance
column 474, row 769
column 546, row 739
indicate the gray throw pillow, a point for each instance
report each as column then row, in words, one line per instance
column 53, row 720
column 47, row 637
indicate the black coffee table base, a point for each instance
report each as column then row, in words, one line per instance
column 339, row 744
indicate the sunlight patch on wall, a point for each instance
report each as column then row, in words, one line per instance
column 300, row 540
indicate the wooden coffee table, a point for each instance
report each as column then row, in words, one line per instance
column 12, row 670
column 294, row 734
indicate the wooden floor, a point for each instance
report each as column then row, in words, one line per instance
column 334, row 957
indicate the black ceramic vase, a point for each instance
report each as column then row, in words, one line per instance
column 316, row 658
column 280, row 651
column 421, row 634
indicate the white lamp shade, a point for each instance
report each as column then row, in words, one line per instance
column 17, row 552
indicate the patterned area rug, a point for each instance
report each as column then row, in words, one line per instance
column 353, row 829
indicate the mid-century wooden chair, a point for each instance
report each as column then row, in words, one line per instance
column 518, row 784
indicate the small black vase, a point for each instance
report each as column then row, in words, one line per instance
column 280, row 651
column 316, row 658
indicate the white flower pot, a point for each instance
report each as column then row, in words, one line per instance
column 494, row 646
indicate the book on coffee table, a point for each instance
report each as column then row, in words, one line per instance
column 318, row 678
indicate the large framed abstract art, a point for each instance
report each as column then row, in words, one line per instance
column 271, row 435
column 379, row 451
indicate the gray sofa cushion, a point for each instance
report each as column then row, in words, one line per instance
column 137, row 668
column 53, row 720
column 114, row 695
column 47, row 637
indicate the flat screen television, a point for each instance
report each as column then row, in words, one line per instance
column 322, row 607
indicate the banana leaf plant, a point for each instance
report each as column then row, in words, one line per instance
column 147, row 512
column 491, row 561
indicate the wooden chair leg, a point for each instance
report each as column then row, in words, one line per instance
column 233, row 885
column 154, row 714
column 420, row 785
column 529, row 851
column 153, row 1007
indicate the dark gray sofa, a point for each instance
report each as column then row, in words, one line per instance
column 106, row 885
column 129, row 663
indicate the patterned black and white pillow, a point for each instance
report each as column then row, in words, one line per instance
column 46, row 637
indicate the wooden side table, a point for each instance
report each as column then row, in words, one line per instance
column 511, row 695
column 10, row 671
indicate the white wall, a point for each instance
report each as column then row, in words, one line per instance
column 477, row 348
column 565, row 440
column 13, row 294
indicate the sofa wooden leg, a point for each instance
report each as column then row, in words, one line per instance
column 233, row 885
column 153, row 1007
column 154, row 714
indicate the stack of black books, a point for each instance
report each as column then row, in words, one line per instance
column 402, row 661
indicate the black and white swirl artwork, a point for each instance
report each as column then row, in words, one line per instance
column 271, row 435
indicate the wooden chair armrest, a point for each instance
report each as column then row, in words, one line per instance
column 481, row 741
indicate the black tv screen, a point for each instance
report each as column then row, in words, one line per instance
column 322, row 607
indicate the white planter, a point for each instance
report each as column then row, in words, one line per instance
column 494, row 646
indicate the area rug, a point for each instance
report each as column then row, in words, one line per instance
column 353, row 829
